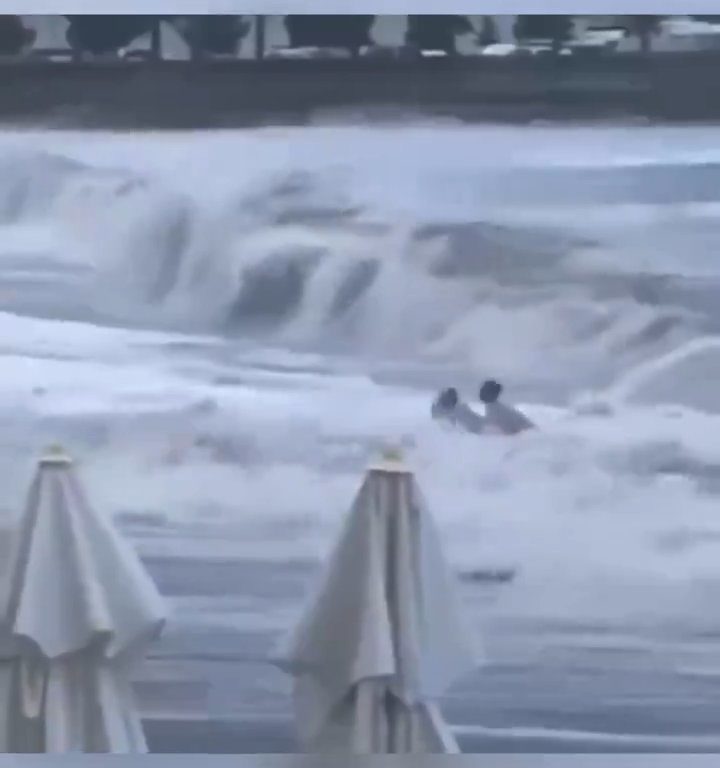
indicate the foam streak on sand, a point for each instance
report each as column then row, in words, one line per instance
column 588, row 740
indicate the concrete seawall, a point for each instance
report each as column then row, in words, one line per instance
column 182, row 94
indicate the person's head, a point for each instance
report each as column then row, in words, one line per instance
column 448, row 398
column 490, row 391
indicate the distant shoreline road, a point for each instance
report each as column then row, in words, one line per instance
column 176, row 95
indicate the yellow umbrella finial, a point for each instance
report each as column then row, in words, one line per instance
column 55, row 455
column 391, row 460
column 392, row 453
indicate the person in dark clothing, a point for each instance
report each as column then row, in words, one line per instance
column 448, row 407
column 490, row 391
column 445, row 403
column 499, row 417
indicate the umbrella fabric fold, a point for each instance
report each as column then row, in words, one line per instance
column 384, row 638
column 72, row 705
column 81, row 612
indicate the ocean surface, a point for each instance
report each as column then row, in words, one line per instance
column 225, row 328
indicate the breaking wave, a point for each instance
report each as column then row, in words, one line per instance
column 307, row 257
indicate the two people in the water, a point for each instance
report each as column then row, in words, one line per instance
column 499, row 417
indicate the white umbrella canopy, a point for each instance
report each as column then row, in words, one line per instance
column 81, row 612
column 384, row 638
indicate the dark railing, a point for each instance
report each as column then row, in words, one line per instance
column 142, row 91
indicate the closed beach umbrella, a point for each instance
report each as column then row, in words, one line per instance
column 384, row 637
column 81, row 613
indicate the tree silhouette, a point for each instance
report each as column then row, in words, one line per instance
column 435, row 32
column 14, row 35
column 219, row 34
column 350, row 31
column 100, row 34
column 554, row 27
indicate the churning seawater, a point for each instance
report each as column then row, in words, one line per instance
column 226, row 326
